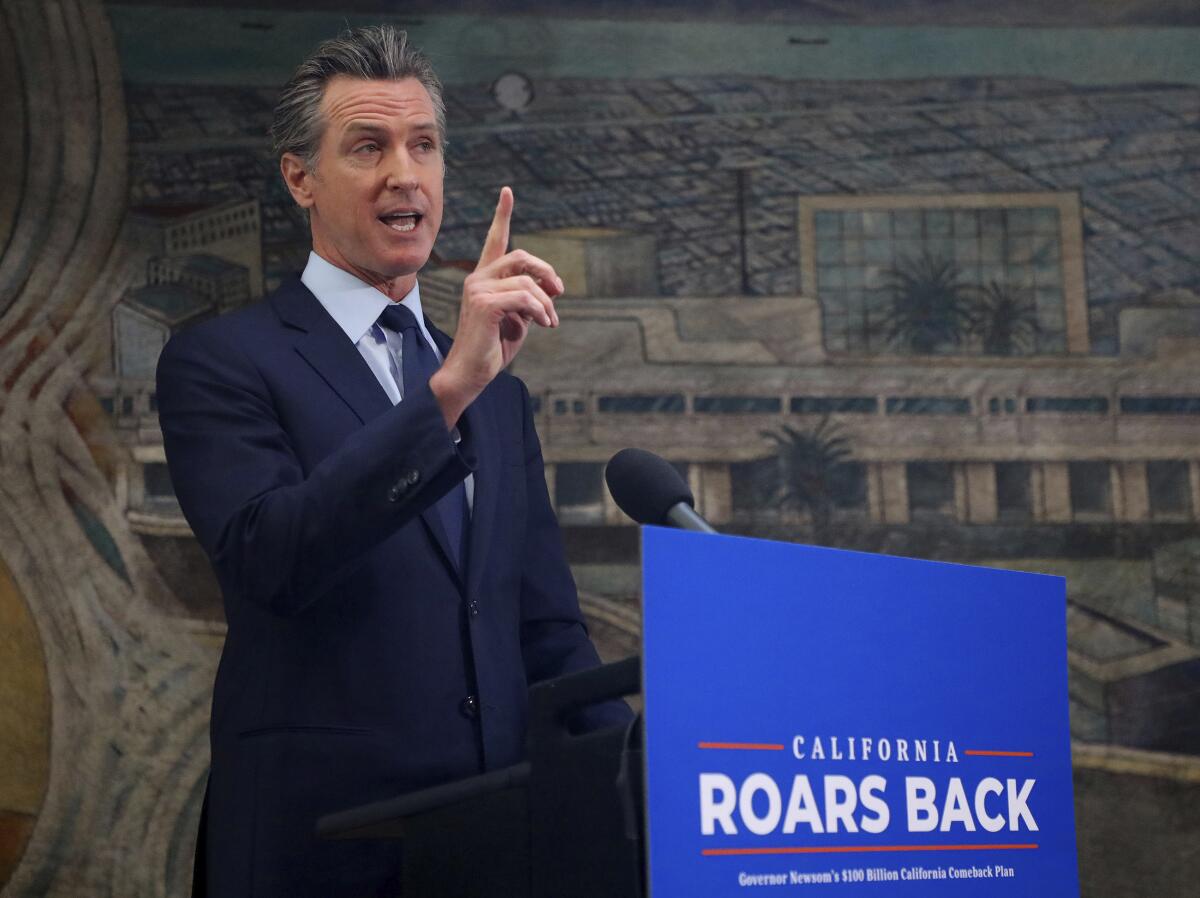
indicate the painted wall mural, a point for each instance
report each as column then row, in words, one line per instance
column 919, row 280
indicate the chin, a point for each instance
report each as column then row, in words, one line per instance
column 395, row 268
column 398, row 263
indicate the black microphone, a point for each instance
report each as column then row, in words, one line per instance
column 649, row 489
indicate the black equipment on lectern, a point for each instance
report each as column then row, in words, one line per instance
column 649, row 489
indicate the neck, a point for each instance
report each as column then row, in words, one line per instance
column 394, row 288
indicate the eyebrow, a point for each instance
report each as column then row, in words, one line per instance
column 372, row 128
column 364, row 128
column 426, row 127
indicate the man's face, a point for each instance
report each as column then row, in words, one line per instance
column 375, row 199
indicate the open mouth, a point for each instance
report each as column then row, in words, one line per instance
column 401, row 221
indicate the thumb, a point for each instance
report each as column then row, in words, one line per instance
column 496, row 243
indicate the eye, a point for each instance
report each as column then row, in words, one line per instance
column 427, row 145
column 370, row 147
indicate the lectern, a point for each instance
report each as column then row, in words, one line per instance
column 812, row 717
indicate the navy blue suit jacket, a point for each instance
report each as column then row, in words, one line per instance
column 359, row 662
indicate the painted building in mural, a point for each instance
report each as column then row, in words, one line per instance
column 1035, row 451
column 201, row 258
column 958, row 312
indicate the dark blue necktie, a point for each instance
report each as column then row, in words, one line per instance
column 418, row 363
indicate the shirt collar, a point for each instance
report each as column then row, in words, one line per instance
column 353, row 303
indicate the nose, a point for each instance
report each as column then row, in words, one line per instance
column 401, row 173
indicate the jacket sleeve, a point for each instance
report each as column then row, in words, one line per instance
column 554, row 638
column 275, row 536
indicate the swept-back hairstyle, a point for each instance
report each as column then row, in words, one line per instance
column 374, row 52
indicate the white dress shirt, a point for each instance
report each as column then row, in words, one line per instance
column 356, row 306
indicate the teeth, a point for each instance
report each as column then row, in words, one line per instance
column 400, row 221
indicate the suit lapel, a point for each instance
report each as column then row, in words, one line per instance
column 479, row 427
column 325, row 347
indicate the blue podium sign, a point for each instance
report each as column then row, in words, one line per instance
column 842, row 723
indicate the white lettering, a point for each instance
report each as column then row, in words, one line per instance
column 919, row 794
column 988, row 786
column 840, row 802
column 715, row 810
column 871, row 801
column 802, row 807
column 1017, row 807
column 956, row 809
column 760, row 782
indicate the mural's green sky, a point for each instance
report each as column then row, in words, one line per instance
column 1091, row 13
column 191, row 45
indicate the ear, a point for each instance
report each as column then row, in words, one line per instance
column 298, row 179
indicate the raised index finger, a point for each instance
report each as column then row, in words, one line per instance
column 496, row 244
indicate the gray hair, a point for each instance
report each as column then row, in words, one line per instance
column 374, row 52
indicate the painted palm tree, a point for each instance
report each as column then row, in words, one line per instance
column 1005, row 319
column 810, row 471
column 931, row 305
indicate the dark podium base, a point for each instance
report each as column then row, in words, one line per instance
column 567, row 822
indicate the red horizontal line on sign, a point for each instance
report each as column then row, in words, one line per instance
column 998, row 754
column 854, row 849
column 744, row 746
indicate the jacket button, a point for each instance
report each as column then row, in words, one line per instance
column 400, row 487
column 469, row 707
column 473, row 609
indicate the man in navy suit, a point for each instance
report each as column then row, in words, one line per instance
column 393, row 574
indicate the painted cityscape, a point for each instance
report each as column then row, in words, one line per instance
column 952, row 317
